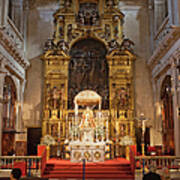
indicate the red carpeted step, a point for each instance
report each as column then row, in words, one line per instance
column 111, row 169
column 91, row 177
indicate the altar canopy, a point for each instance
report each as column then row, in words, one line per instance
column 87, row 97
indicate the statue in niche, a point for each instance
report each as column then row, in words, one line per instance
column 107, row 32
column 69, row 33
column 61, row 33
column 110, row 3
column 127, row 44
column 122, row 98
column 116, row 31
column 88, row 69
column 48, row 45
column 62, row 45
column 55, row 97
column 66, row 3
column 54, row 130
column 113, row 44
column 105, row 101
column 88, row 14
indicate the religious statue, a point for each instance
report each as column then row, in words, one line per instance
column 113, row 44
column 54, row 98
column 88, row 14
column 111, row 3
column 107, row 32
column 87, row 119
column 127, row 44
column 63, row 46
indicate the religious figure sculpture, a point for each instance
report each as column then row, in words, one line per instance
column 88, row 14
column 87, row 119
column 54, row 97
column 87, row 126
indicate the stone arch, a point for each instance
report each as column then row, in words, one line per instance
column 9, row 116
column 88, row 70
column 166, row 97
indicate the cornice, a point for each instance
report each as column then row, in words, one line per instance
column 172, row 59
column 164, row 46
column 10, row 47
column 10, row 67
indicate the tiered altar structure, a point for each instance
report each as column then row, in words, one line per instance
column 87, row 134
column 89, row 78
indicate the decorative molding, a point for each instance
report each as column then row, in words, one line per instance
column 12, row 68
column 164, row 46
column 13, row 44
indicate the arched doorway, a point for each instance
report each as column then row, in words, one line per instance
column 9, row 116
column 88, row 70
column 167, row 116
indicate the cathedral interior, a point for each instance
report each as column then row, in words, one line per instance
column 101, row 72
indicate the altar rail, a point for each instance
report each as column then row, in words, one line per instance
column 29, row 165
column 160, row 162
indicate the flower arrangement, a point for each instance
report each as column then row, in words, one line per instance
column 48, row 140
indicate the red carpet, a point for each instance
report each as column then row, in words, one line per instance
column 110, row 169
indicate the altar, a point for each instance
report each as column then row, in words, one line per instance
column 93, row 152
column 87, row 131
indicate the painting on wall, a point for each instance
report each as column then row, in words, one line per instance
column 88, row 70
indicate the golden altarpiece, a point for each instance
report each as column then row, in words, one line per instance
column 89, row 80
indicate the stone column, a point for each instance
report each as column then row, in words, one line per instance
column 2, row 76
column 18, row 14
column 174, row 73
column 174, row 11
column 20, row 126
column 25, row 15
column 151, row 24
column 152, row 141
column 3, row 12
column 159, row 13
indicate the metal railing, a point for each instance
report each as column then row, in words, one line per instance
column 170, row 162
column 29, row 165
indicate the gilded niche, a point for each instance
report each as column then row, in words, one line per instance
column 88, row 69
column 88, row 14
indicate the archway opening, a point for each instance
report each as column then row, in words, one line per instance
column 167, row 116
column 9, row 116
